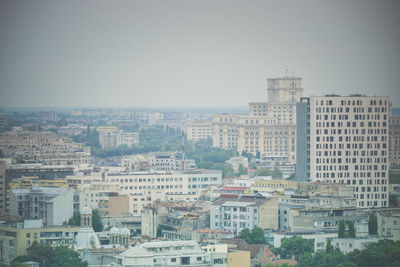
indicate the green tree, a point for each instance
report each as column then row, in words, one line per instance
column 263, row 172
column 75, row 219
column 295, row 246
column 52, row 257
column 17, row 264
column 393, row 201
column 246, row 235
column 257, row 236
column 329, row 247
column 242, row 170
column 342, row 229
column 385, row 252
column 276, row 173
column 96, row 221
column 372, row 224
column 352, row 230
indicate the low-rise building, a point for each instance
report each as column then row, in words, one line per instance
column 17, row 235
column 319, row 238
column 234, row 213
column 165, row 253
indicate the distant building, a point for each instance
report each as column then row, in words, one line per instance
column 319, row 238
column 49, row 116
column 3, row 186
column 198, row 130
column 43, row 147
column 110, row 137
column 268, row 129
column 346, row 140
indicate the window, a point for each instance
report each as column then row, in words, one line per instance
column 173, row 260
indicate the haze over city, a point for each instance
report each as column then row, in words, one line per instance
column 193, row 53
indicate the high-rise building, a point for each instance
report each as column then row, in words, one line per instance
column 269, row 128
column 345, row 140
column 3, row 169
column 394, row 140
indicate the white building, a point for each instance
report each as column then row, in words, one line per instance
column 53, row 205
column 346, row 140
column 116, row 138
column 233, row 214
column 164, row 253
column 319, row 238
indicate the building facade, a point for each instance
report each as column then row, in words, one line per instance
column 234, row 213
column 346, row 140
column 394, row 141
column 269, row 128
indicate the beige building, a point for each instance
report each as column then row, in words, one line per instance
column 394, row 140
column 16, row 236
column 346, row 140
column 269, row 128
column 238, row 258
column 198, row 130
column 264, row 186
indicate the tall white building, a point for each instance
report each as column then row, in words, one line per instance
column 346, row 140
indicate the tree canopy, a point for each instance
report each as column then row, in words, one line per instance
column 295, row 246
column 52, row 257
column 255, row 236
column 372, row 224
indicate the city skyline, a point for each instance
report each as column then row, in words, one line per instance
column 193, row 54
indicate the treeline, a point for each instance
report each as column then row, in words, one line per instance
column 385, row 253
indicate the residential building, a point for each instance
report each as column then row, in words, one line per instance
column 53, row 205
column 347, row 245
column 234, row 213
column 319, row 238
column 3, row 187
column 43, row 147
column 346, row 140
column 164, row 253
column 17, row 235
column 110, row 137
column 394, row 140
column 198, row 130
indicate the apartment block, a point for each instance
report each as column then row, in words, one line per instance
column 53, row 205
column 394, row 141
column 234, row 213
column 43, row 147
column 17, row 235
column 198, row 130
column 345, row 139
column 110, row 137
column 3, row 194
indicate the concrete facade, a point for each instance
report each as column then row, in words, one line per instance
column 347, row 141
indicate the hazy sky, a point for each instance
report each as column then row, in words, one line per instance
column 193, row 53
